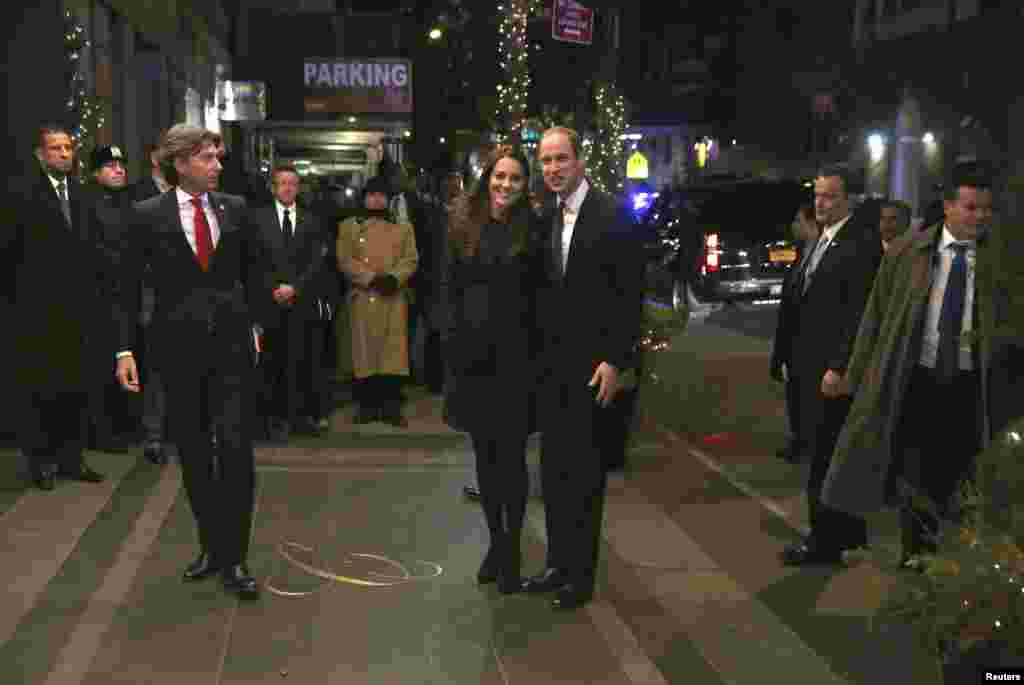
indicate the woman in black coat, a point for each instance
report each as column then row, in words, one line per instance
column 489, row 337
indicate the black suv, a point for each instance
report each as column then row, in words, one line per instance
column 721, row 241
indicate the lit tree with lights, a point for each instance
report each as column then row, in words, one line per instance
column 85, row 112
column 513, row 58
column 606, row 156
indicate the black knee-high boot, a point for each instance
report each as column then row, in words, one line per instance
column 490, row 502
column 515, row 486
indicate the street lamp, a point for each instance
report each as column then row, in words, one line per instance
column 876, row 146
column 435, row 34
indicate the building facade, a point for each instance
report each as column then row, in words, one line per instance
column 933, row 92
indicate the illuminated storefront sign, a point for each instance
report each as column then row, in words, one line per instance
column 357, row 85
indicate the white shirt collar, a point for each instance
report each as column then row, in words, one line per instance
column 56, row 182
column 948, row 239
column 573, row 202
column 830, row 231
column 280, row 209
column 186, row 199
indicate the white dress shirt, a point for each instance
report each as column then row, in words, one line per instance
column 570, row 208
column 188, row 218
column 930, row 339
column 292, row 214
column 56, row 183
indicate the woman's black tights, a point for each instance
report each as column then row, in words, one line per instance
column 501, row 475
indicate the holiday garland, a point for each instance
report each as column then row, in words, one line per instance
column 513, row 58
column 85, row 112
column 606, row 158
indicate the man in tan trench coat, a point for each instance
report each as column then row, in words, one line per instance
column 378, row 258
column 922, row 409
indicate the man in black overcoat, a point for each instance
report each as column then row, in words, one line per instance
column 49, row 244
column 208, row 272
column 297, row 241
column 591, row 316
column 818, row 321
column 109, row 206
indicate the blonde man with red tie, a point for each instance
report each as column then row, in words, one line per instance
column 207, row 271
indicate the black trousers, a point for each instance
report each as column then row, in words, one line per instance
column 573, row 480
column 221, row 498
column 936, row 440
column 293, row 369
column 614, row 429
column 798, row 440
column 51, row 429
column 831, row 529
column 503, row 481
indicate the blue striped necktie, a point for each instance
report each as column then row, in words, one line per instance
column 951, row 316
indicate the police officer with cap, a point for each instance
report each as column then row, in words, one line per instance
column 108, row 205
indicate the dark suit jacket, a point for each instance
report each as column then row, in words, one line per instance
column 593, row 314
column 818, row 327
column 302, row 263
column 143, row 189
column 53, row 284
column 190, row 303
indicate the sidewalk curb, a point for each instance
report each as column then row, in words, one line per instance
column 712, row 464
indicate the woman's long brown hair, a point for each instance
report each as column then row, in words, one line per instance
column 472, row 210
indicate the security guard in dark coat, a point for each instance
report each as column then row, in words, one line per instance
column 46, row 242
column 108, row 203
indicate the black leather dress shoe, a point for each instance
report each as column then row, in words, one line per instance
column 45, row 478
column 804, row 553
column 305, row 426
column 488, row 572
column 571, row 597
column 84, row 473
column 550, row 580
column 202, row 567
column 471, row 492
column 364, row 416
column 239, row 581
column 154, row 453
column 396, row 420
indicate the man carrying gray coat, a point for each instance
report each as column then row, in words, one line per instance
column 927, row 396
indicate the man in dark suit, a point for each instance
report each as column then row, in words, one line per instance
column 821, row 311
column 154, row 402
column 591, row 318
column 208, row 272
column 50, row 246
column 297, row 241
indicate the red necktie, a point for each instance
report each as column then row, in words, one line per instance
column 204, row 243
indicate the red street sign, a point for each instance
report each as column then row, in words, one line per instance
column 571, row 22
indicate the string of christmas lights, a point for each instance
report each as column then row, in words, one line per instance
column 513, row 58
column 85, row 112
column 606, row 156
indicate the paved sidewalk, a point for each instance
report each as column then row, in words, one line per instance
column 369, row 554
